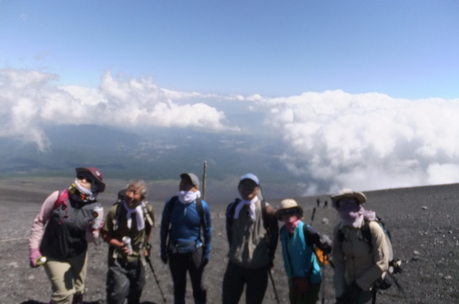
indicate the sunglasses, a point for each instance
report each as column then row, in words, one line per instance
column 348, row 202
column 86, row 176
column 289, row 212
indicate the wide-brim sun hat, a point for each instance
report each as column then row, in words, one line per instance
column 288, row 205
column 193, row 178
column 94, row 172
column 347, row 194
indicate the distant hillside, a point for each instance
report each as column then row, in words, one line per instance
column 159, row 155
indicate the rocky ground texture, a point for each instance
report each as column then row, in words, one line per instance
column 423, row 221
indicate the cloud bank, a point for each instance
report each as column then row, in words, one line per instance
column 30, row 98
column 366, row 141
column 330, row 140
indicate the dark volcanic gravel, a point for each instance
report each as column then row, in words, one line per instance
column 423, row 222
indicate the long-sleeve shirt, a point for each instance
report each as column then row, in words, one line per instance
column 356, row 260
column 75, row 223
column 182, row 226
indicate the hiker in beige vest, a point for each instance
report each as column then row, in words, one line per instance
column 252, row 232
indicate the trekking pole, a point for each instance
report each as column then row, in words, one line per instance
column 156, row 278
column 204, row 176
column 313, row 214
column 323, row 285
column 274, row 286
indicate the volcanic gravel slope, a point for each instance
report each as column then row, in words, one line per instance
column 423, row 222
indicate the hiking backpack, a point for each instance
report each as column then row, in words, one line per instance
column 394, row 264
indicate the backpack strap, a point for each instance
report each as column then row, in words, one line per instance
column 146, row 214
column 366, row 234
column 230, row 210
column 62, row 202
column 264, row 215
column 200, row 210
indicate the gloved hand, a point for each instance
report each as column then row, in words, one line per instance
column 204, row 262
column 351, row 295
column 164, row 257
column 271, row 262
column 34, row 254
column 326, row 244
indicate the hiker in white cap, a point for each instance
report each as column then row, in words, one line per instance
column 252, row 232
column 358, row 264
column 299, row 242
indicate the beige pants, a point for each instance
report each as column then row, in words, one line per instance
column 67, row 278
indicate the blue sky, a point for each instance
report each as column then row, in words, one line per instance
column 405, row 49
column 363, row 94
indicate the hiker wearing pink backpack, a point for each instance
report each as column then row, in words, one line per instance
column 68, row 220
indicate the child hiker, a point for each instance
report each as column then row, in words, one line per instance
column 300, row 261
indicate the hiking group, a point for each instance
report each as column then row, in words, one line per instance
column 70, row 219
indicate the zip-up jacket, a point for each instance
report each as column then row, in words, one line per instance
column 181, row 229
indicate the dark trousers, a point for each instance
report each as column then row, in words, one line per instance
column 237, row 276
column 311, row 296
column 125, row 281
column 180, row 264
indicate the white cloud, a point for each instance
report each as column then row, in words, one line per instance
column 366, row 141
column 28, row 99
column 443, row 173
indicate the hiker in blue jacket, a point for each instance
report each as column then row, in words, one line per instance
column 300, row 261
column 181, row 242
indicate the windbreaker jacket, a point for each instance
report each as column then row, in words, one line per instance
column 181, row 228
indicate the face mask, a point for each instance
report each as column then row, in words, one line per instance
column 351, row 215
column 291, row 223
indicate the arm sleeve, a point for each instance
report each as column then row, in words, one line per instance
column 92, row 235
column 207, row 231
column 381, row 257
column 312, row 236
column 339, row 281
column 39, row 223
column 164, row 230
column 148, row 227
column 274, row 230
